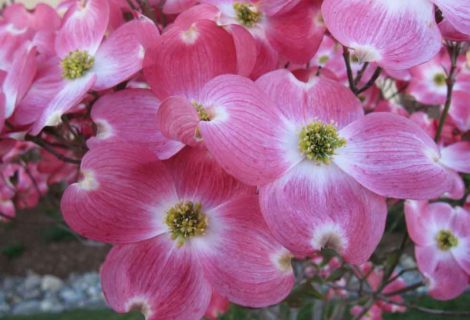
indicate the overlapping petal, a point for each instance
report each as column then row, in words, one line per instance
column 123, row 192
column 315, row 206
column 393, row 157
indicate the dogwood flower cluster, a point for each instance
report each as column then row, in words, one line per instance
column 222, row 142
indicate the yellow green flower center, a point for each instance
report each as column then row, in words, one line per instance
column 440, row 79
column 247, row 13
column 201, row 111
column 323, row 59
column 76, row 64
column 186, row 220
column 446, row 240
column 318, row 141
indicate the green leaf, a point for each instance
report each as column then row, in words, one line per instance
column 302, row 293
column 13, row 251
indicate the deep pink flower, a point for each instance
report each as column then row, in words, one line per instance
column 441, row 235
column 182, row 229
column 280, row 30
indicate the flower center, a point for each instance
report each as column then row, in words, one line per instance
column 440, row 79
column 446, row 240
column 201, row 111
column 76, row 64
column 247, row 14
column 186, row 220
column 318, row 141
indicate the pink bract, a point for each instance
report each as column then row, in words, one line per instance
column 148, row 267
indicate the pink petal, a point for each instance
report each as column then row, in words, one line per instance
column 447, row 279
column 449, row 32
column 19, row 77
column 246, row 264
column 413, row 215
column 457, row 12
column 245, row 45
column 47, row 83
column 121, row 55
column 393, row 157
column 459, row 110
column 198, row 12
column 199, row 178
column 457, row 191
column 457, row 156
column 314, row 206
column 177, row 6
column 2, row 110
column 69, row 94
column 123, row 191
column 130, row 116
column 461, row 253
column 391, row 33
column 319, row 98
column 272, row 7
column 178, row 120
column 83, row 28
column 157, row 278
column 185, row 58
column 242, row 135
column 296, row 34
column 268, row 58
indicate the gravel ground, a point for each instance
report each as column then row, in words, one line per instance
column 49, row 294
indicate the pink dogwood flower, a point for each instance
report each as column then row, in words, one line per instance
column 428, row 83
column 84, row 63
column 182, row 229
column 279, row 30
column 442, row 246
column 322, row 167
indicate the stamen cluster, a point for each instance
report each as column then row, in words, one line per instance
column 446, row 240
column 76, row 64
column 318, row 141
column 186, row 220
column 247, row 14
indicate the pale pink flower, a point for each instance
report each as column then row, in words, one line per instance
column 441, row 235
column 84, row 63
column 428, row 83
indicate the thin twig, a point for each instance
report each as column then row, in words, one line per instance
column 406, row 289
column 360, row 73
column 454, row 50
column 40, row 142
column 349, row 72
column 371, row 81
